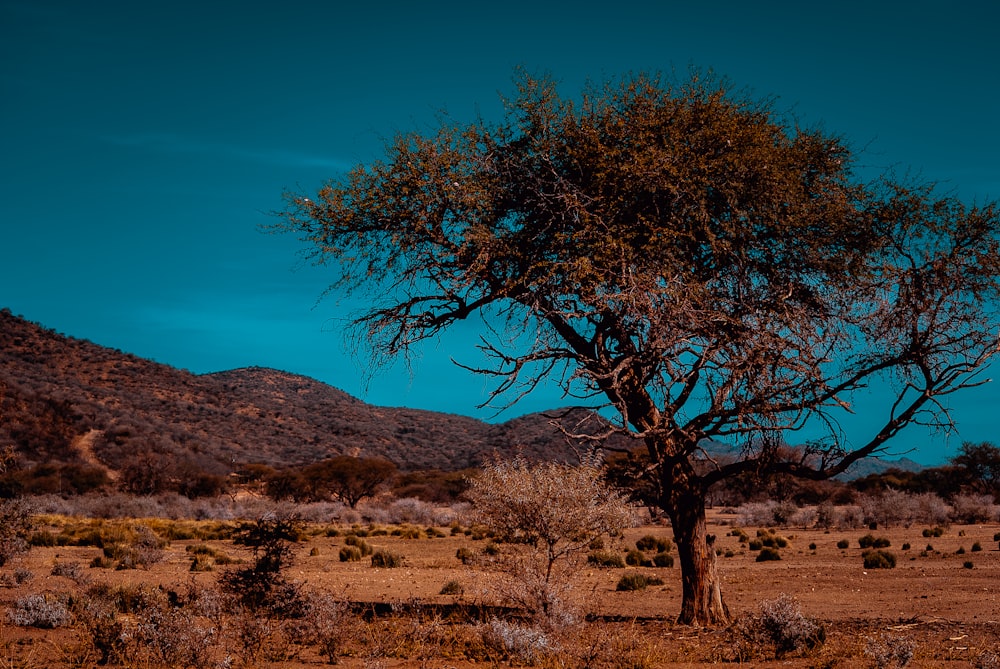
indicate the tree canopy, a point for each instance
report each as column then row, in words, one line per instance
column 682, row 254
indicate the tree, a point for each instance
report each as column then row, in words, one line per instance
column 350, row 479
column 682, row 256
column 981, row 465
column 551, row 510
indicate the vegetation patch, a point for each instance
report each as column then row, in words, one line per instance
column 879, row 559
column 635, row 581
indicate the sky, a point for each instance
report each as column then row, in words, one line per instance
column 143, row 145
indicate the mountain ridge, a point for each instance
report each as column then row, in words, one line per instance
column 64, row 399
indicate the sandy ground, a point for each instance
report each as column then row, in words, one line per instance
column 932, row 596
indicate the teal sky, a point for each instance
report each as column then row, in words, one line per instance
column 142, row 144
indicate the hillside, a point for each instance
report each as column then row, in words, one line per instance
column 69, row 400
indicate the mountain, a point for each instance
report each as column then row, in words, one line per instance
column 72, row 401
column 869, row 466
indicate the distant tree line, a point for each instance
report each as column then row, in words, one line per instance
column 975, row 469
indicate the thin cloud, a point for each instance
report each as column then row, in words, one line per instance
column 178, row 144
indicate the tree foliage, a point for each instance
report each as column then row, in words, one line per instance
column 682, row 254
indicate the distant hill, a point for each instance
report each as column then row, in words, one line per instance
column 869, row 466
column 70, row 400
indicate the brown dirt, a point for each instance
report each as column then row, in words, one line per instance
column 953, row 612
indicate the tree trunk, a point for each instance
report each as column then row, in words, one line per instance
column 684, row 501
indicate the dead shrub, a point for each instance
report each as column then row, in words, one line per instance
column 889, row 651
column 779, row 627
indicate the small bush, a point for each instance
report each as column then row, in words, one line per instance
column 452, row 587
column 632, row 582
column 960, row 551
column 755, row 544
column 906, row 546
column 879, row 559
column 39, row 611
column 524, row 644
column 888, row 650
column 968, row 564
column 663, row 560
column 933, row 532
column 871, row 541
column 637, row 558
column 386, row 559
column 843, row 543
column 976, row 547
column 464, row 555
column 768, row 554
column 360, row 544
column 350, row 554
column 656, row 544
column 71, row 570
column 779, row 624
column 606, row 560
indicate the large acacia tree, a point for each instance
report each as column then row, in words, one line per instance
column 684, row 254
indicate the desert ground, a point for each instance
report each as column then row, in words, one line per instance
column 943, row 598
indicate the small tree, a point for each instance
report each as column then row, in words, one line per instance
column 548, row 514
column 262, row 585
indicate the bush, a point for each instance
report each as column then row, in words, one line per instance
column 636, row 558
column 976, row 547
column 262, row 585
column 843, row 543
column 350, row 554
column 889, row 650
column 15, row 528
column 663, row 560
column 768, row 554
column 521, row 643
column 39, row 611
column 452, row 587
column 879, row 559
column 871, row 541
column 651, row 543
column 606, row 560
column 465, row 555
column 360, row 544
column 71, row 570
column 386, row 559
column 968, row 564
column 632, row 582
column 779, row 624
column 933, row 532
